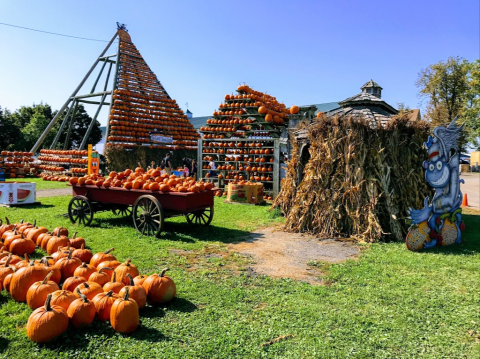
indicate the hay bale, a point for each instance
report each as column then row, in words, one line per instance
column 359, row 181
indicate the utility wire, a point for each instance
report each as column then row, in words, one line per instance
column 52, row 33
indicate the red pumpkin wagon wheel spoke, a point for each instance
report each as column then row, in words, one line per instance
column 125, row 211
column 148, row 216
column 203, row 216
column 80, row 210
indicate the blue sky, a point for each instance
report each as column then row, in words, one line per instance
column 302, row 52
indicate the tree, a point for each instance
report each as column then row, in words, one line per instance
column 40, row 117
column 10, row 133
column 471, row 109
column 80, row 124
column 452, row 89
column 445, row 85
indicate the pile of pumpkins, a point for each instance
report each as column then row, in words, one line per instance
column 150, row 180
column 72, row 284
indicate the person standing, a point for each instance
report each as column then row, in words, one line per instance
column 212, row 171
column 167, row 164
column 194, row 169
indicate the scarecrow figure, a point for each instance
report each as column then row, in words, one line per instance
column 439, row 222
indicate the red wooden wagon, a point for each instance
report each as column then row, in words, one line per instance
column 148, row 209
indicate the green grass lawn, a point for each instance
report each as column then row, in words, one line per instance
column 41, row 184
column 391, row 303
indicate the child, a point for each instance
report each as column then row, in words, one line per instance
column 186, row 171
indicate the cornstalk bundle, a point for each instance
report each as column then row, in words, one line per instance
column 359, row 180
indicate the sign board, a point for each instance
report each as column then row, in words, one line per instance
column 160, row 139
column 93, row 161
column 17, row 192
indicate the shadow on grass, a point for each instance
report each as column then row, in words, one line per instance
column 182, row 305
column 31, row 206
column 79, row 339
column 203, row 233
column 470, row 239
column 3, row 344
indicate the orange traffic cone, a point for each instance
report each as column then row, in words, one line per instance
column 465, row 200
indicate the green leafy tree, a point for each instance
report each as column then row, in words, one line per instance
column 39, row 120
column 444, row 85
column 10, row 133
column 80, row 124
column 471, row 109
column 451, row 89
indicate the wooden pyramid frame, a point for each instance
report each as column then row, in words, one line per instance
column 141, row 111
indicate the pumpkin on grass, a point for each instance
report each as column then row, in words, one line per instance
column 38, row 291
column 101, row 257
column 89, row 289
column 20, row 246
column 81, row 311
column 56, row 242
column 63, row 298
column 113, row 284
column 160, row 288
column 139, row 279
column 77, row 242
column 109, row 264
column 124, row 316
column 60, row 231
column 46, row 322
column 84, row 270
column 5, row 270
column 101, row 277
column 57, row 275
column 68, row 265
column 24, row 278
column 136, row 292
column 7, row 281
column 126, row 268
column 85, row 255
column 103, row 304
column 73, row 282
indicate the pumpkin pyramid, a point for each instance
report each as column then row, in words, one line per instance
column 142, row 112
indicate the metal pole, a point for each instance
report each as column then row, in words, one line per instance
column 115, row 78
column 108, row 77
column 55, row 119
column 67, row 140
column 90, row 127
column 62, row 126
column 98, row 77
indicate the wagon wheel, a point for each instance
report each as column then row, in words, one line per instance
column 125, row 211
column 203, row 216
column 148, row 215
column 80, row 210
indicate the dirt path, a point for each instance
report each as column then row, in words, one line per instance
column 286, row 255
column 54, row 192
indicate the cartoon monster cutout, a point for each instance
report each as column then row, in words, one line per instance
column 440, row 222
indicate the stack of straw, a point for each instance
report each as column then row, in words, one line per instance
column 359, row 180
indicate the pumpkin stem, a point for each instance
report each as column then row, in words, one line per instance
column 163, row 272
column 6, row 219
column 84, row 265
column 114, row 277
column 109, row 293
column 47, row 277
column 70, row 254
column 83, row 246
column 127, row 262
column 86, row 285
column 47, row 302
column 35, row 223
column 127, row 294
column 31, row 263
column 74, row 235
column 131, row 279
column 9, row 258
column 111, row 249
column 1, row 221
column 84, row 298
column 101, row 269
column 26, row 257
